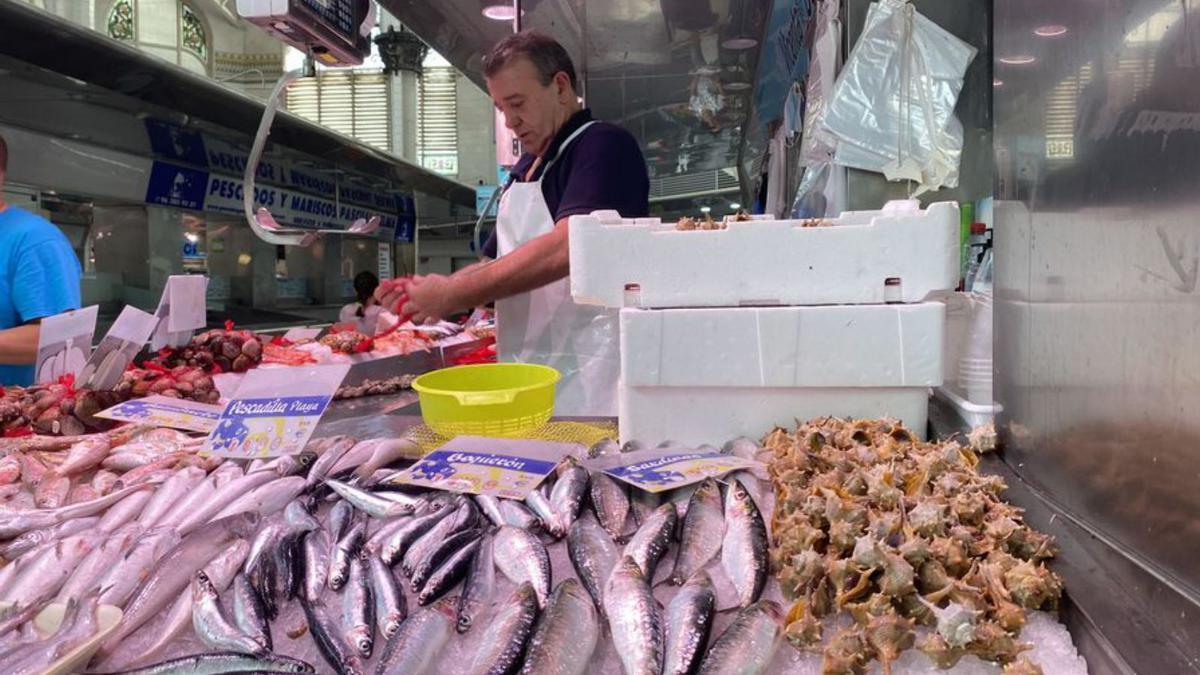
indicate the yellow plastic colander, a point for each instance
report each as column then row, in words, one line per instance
column 491, row 399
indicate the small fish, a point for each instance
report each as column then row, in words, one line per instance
column 84, row 455
column 439, row 554
column 749, row 643
column 211, row 626
column 540, row 505
column 390, row 606
column 634, row 446
column 98, row 563
column 249, row 614
column 689, row 622
column 340, row 517
column 464, row 517
column 651, row 540
column 703, row 529
column 565, row 634
column 315, row 552
column 518, row 515
column 124, row 511
column 200, row 493
column 320, row 469
column 643, row 504
column 522, row 557
column 347, row 548
column 374, row 505
column 10, row 469
column 28, row 541
column 490, row 506
column 328, row 636
column 223, row 662
column 393, row 542
column 388, row 451
column 593, row 554
column 358, row 610
column 744, row 547
column 81, row 492
column 103, row 482
column 52, row 491
column 265, row 499
column 168, row 494
column 479, row 585
column 610, row 501
column 503, row 643
column 634, row 618
column 449, row 573
column 567, row 496
column 419, row 640
column 604, row 448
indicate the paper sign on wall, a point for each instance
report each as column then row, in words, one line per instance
column 661, row 470
column 262, row 422
column 492, row 466
column 64, row 343
column 182, row 309
column 165, row 411
column 116, row 351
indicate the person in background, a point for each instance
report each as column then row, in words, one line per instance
column 39, row 277
column 572, row 165
column 367, row 314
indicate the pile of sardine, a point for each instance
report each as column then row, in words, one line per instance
column 213, row 562
column 901, row 533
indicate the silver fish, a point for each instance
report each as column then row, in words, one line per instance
column 742, row 447
column 703, row 529
column 223, row 662
column 46, row 574
column 490, row 506
column 567, row 496
column 393, row 541
column 249, row 614
column 634, row 446
column 320, row 470
column 225, row 495
column 390, row 606
column 604, row 448
column 749, row 643
column 439, row 554
column 355, row 456
column 416, row 645
column 103, row 481
column 478, row 586
column 15, row 524
column 634, row 618
column 387, row 451
column 84, row 455
column 99, row 562
column 518, row 515
column 125, row 511
column 651, row 540
column 540, row 505
column 643, row 504
column 399, row 504
column 565, row 635
column 449, row 573
column 744, row 548
column 30, row 540
column 593, row 555
column 339, row 519
column 464, row 517
column 610, row 501
column 211, row 626
column 358, row 610
column 265, row 499
column 290, row 465
column 522, row 557
column 78, row 624
column 201, row 493
column 315, row 551
column 689, row 622
column 130, row 570
column 503, row 642
column 328, row 636
column 346, row 550
column 52, row 491
column 170, row 493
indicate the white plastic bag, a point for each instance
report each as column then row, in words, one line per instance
column 892, row 109
column 822, row 185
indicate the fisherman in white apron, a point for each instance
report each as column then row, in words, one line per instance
column 572, row 165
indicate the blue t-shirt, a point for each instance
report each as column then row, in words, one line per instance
column 39, row 277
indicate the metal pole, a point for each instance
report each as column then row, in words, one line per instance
column 516, row 16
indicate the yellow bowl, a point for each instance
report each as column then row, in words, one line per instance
column 491, row 399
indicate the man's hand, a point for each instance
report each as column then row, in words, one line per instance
column 426, row 298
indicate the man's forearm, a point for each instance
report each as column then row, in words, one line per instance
column 538, row 262
column 18, row 346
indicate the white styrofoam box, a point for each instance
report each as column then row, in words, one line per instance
column 767, row 262
column 708, row 375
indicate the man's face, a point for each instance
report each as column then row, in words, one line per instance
column 533, row 111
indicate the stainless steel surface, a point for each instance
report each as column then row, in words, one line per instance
column 643, row 65
column 1097, row 310
column 108, row 75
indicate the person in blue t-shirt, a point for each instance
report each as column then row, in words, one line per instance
column 39, row 277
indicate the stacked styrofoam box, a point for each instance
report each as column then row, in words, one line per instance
column 730, row 332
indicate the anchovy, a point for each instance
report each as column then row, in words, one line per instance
column 345, row 551
column 320, row 470
column 593, row 555
column 463, row 518
column 340, row 517
column 217, row 663
column 749, row 643
column 211, row 626
column 449, row 573
column 374, row 505
column 419, row 640
column 565, row 635
column 329, row 640
column 97, row 563
column 744, row 548
column 479, row 585
column 689, row 622
column 567, row 496
column 249, row 614
column 439, row 554
column 634, row 618
column 390, row 606
column 522, row 557
column 703, row 529
column 490, row 506
column 610, row 501
column 315, row 548
column 225, row 495
column 643, row 504
column 502, row 647
column 123, row 578
column 358, row 610
column 266, row 499
column 518, row 515
column 651, row 540
column 393, row 542
column 32, row 539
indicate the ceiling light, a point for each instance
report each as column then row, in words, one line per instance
column 1051, row 30
column 739, row 43
column 499, row 11
column 192, row 237
column 705, row 209
column 997, row 83
column 735, row 205
column 1018, row 60
column 736, row 86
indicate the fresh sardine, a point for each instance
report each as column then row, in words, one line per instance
column 212, row 627
column 610, row 501
column 540, row 505
column 315, row 554
column 518, row 515
column 744, row 548
column 565, row 635
column 346, row 550
column 217, row 663
column 503, row 643
column 567, row 497
column 449, row 573
column 748, row 644
column 30, row 540
column 689, row 622
column 522, row 557
column 464, row 517
column 328, row 636
column 634, row 618
column 358, row 610
column 393, row 541
column 490, row 506
column 703, row 529
column 397, row 504
column 651, row 540
column 643, row 504
column 416, row 645
column 390, row 606
column 593, row 554
column 249, row 614
column 339, row 519
column 478, row 586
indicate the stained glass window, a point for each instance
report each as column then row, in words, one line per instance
column 121, row 20
column 193, row 38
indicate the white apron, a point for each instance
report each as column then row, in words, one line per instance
column 545, row 326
